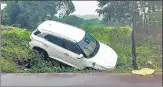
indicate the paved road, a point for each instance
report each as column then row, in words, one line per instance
column 80, row 79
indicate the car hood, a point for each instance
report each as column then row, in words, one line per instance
column 106, row 57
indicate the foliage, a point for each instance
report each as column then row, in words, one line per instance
column 116, row 37
column 127, row 12
column 95, row 21
column 16, row 53
column 15, row 45
column 146, row 54
column 29, row 14
column 121, row 12
column 89, row 16
column 15, row 48
column 77, row 21
column 8, row 65
column 155, row 19
column 119, row 39
column 72, row 20
column 42, row 66
column 109, row 34
column 154, row 5
column 116, row 10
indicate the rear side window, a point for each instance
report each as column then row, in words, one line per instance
column 63, row 43
column 37, row 32
column 55, row 40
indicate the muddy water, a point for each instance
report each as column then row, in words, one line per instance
column 78, row 79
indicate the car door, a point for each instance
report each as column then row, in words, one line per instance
column 72, row 52
column 52, row 45
column 57, row 48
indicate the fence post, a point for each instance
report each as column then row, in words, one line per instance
column 133, row 37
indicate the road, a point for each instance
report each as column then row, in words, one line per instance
column 80, row 79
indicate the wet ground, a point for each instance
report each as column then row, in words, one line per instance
column 80, row 79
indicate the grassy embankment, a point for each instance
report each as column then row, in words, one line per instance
column 17, row 57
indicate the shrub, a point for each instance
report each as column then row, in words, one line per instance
column 146, row 54
column 119, row 38
column 8, row 65
column 15, row 45
column 42, row 66
column 16, row 52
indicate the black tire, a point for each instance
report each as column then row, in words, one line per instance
column 41, row 53
column 90, row 68
column 58, row 63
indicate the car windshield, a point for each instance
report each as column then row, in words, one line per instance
column 88, row 44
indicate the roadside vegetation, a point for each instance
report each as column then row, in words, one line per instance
column 20, row 18
column 18, row 57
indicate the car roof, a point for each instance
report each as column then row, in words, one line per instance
column 64, row 30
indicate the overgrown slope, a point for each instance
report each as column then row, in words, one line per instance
column 18, row 57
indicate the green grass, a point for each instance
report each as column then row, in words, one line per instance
column 16, row 53
column 8, row 66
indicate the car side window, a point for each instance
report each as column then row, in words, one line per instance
column 72, row 47
column 55, row 40
column 63, row 43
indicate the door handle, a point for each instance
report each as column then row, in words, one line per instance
column 66, row 54
column 45, row 45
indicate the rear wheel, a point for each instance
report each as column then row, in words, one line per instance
column 41, row 53
column 58, row 63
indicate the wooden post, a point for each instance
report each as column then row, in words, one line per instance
column 133, row 37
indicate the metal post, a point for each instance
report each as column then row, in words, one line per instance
column 133, row 37
column 145, row 17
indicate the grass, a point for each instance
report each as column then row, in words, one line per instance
column 17, row 57
column 8, row 65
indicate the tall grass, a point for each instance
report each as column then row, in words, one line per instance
column 18, row 57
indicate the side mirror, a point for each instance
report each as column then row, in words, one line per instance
column 80, row 56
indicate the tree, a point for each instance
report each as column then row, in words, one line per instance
column 94, row 21
column 155, row 13
column 155, row 19
column 129, row 13
column 154, row 5
column 120, row 11
column 145, row 8
column 29, row 14
column 77, row 21
column 123, row 11
column 73, row 20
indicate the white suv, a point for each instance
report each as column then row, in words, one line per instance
column 71, row 46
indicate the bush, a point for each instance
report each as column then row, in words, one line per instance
column 8, row 65
column 119, row 38
column 15, row 48
column 15, row 45
column 16, row 52
column 43, row 66
column 148, row 57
